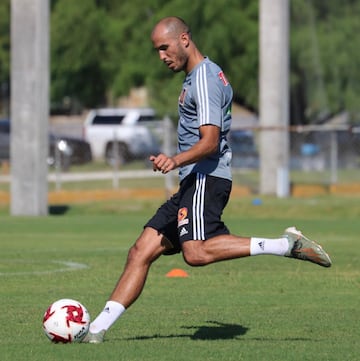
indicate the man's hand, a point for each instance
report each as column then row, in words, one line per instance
column 207, row 145
column 163, row 163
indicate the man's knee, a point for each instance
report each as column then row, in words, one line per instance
column 147, row 248
column 194, row 254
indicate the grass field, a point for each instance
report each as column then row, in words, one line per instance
column 259, row 308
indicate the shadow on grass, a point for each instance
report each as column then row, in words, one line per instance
column 58, row 210
column 218, row 331
column 214, row 331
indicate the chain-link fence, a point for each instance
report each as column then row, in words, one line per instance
column 321, row 154
column 332, row 151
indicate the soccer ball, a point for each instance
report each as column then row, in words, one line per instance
column 66, row 321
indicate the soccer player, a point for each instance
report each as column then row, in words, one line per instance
column 190, row 221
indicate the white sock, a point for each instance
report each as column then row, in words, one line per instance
column 278, row 246
column 111, row 312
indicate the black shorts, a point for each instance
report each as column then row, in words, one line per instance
column 194, row 212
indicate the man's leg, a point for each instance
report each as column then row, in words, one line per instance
column 148, row 247
column 219, row 248
column 292, row 244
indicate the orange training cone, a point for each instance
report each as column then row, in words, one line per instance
column 177, row 272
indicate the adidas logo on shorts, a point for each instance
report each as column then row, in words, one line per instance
column 183, row 232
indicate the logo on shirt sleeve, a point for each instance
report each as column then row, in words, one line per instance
column 223, row 78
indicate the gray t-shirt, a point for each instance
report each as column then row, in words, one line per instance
column 205, row 98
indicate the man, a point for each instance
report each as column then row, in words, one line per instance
column 190, row 221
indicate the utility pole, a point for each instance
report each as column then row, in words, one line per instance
column 274, row 97
column 29, row 106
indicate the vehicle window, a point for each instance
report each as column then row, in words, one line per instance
column 108, row 119
column 146, row 118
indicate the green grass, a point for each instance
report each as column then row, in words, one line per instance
column 257, row 308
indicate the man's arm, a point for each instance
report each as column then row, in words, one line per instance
column 207, row 145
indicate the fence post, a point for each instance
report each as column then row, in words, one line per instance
column 116, row 164
column 57, row 165
column 333, row 157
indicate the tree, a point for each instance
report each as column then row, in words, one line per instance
column 325, row 58
column 79, row 67
column 234, row 46
column 100, row 49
